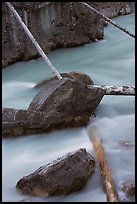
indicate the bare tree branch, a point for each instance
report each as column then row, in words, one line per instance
column 116, row 90
column 108, row 19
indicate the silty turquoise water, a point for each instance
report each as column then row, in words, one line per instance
column 110, row 61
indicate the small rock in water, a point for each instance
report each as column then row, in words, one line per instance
column 26, row 200
column 67, row 174
column 127, row 143
column 129, row 188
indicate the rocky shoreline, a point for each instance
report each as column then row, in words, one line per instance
column 54, row 25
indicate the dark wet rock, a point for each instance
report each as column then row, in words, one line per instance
column 63, row 176
column 33, row 122
column 80, row 76
column 129, row 188
column 58, row 104
column 54, row 25
column 68, row 96
column 66, row 25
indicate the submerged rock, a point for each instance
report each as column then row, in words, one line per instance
column 25, row 122
column 127, row 143
column 25, row 200
column 65, row 175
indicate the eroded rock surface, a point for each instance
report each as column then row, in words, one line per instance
column 54, row 25
column 67, row 96
column 67, row 174
column 59, row 104
column 128, row 188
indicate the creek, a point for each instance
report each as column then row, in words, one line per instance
column 110, row 61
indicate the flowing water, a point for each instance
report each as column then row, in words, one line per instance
column 110, row 61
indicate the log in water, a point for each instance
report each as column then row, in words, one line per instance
column 116, row 90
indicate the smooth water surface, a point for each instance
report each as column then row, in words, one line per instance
column 110, row 61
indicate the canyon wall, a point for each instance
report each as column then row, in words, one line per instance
column 54, row 25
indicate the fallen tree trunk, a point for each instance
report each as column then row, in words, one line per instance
column 108, row 182
column 115, row 90
column 108, row 19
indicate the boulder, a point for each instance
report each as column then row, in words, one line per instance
column 58, row 104
column 25, row 122
column 68, row 96
column 63, row 176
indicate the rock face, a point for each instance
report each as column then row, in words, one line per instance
column 54, row 25
column 58, row 104
column 63, row 176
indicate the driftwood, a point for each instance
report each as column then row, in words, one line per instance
column 41, row 52
column 108, row 19
column 116, row 90
column 108, row 183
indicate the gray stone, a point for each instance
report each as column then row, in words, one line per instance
column 67, row 96
column 58, row 104
column 38, row 122
column 63, row 176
